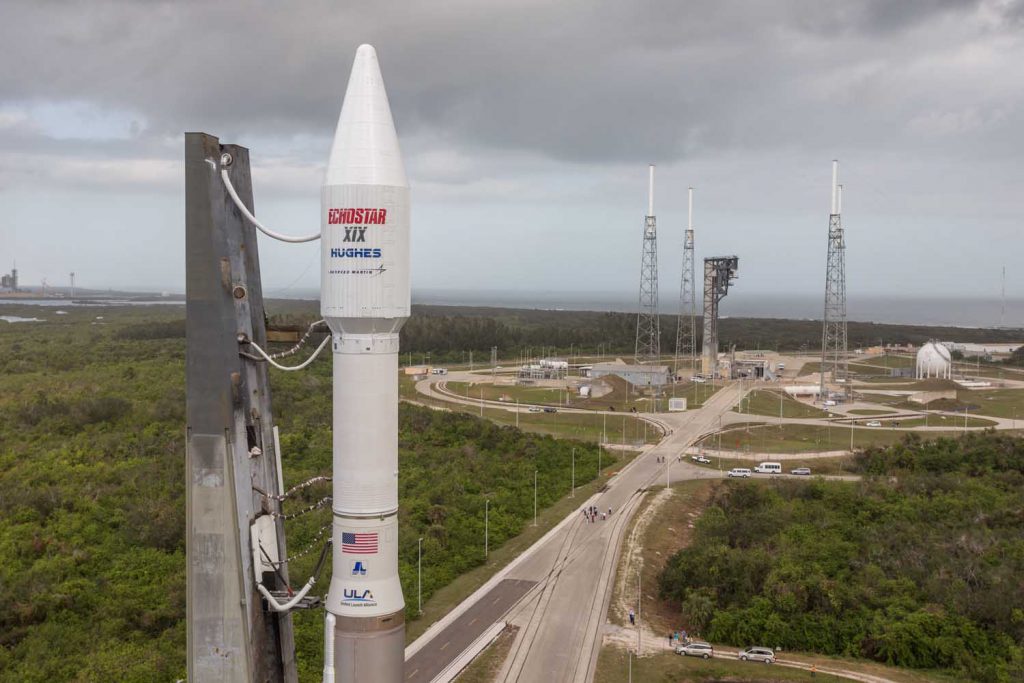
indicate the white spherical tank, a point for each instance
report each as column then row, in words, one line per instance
column 934, row 360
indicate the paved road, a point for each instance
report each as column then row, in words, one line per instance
column 573, row 569
column 427, row 663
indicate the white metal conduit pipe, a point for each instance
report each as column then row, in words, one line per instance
column 252, row 219
column 291, row 368
column 279, row 607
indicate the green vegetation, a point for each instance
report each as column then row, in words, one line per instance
column 768, row 402
column 819, row 466
column 92, row 509
column 449, row 332
column 919, row 565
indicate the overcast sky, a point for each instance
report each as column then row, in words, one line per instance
column 526, row 128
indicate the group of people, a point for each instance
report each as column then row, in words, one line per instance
column 677, row 637
column 591, row 513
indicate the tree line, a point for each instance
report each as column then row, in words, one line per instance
column 918, row 565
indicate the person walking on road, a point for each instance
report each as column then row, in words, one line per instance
column 632, row 617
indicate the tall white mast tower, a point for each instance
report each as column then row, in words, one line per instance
column 648, row 326
column 686, row 325
column 833, row 337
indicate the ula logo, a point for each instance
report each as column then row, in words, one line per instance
column 358, row 569
column 355, row 595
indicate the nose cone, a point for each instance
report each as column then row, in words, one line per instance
column 365, row 149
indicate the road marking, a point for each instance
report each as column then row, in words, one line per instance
column 474, row 621
column 414, row 672
column 496, row 601
column 446, row 644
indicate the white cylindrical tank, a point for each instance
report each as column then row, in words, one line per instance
column 934, row 360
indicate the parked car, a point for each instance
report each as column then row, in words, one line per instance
column 535, row 409
column 873, row 423
column 549, row 409
column 697, row 379
column 696, row 650
column 758, row 654
column 739, row 472
column 700, row 458
column 801, row 470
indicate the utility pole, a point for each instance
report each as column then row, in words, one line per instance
column 573, row 494
column 230, row 452
column 487, row 509
column 535, row 497
column 419, row 572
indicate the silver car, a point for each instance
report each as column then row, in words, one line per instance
column 696, row 650
column 758, row 654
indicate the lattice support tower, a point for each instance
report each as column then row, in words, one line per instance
column 719, row 272
column 686, row 324
column 648, row 326
column 834, row 350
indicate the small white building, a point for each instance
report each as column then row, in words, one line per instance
column 934, row 360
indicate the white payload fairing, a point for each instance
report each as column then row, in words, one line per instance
column 365, row 297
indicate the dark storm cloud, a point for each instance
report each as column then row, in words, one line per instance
column 579, row 81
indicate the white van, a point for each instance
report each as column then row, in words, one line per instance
column 769, row 468
column 739, row 472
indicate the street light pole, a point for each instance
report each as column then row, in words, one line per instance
column 573, row 494
column 639, row 602
column 487, row 509
column 419, row 572
column 535, row 497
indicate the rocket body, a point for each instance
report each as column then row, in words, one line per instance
column 365, row 299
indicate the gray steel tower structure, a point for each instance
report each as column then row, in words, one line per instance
column 833, row 336
column 719, row 272
column 686, row 324
column 648, row 326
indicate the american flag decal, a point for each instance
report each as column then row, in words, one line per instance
column 359, row 544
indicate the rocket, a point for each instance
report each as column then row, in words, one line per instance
column 365, row 298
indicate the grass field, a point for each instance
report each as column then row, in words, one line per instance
column 823, row 466
column 767, row 402
column 617, row 429
column 488, row 663
column 613, row 666
column 1007, row 403
column 797, row 438
column 953, row 422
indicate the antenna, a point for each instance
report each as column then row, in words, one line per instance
column 650, row 191
column 835, row 186
column 72, row 284
column 1002, row 311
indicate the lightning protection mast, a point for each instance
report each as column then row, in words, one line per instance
column 648, row 328
column 686, row 325
column 833, row 338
